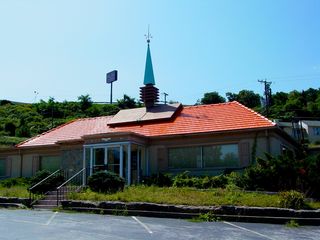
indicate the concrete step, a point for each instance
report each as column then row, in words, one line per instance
column 54, row 197
column 46, row 202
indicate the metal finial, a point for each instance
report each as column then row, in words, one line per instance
column 148, row 36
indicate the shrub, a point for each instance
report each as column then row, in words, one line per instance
column 292, row 199
column 106, row 182
column 272, row 174
column 184, row 180
column 48, row 185
column 160, row 180
column 10, row 182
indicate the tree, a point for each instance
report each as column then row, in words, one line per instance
column 85, row 102
column 126, row 102
column 245, row 97
column 212, row 97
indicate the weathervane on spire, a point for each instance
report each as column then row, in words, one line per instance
column 148, row 36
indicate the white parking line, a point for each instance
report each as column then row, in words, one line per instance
column 142, row 224
column 51, row 218
column 248, row 230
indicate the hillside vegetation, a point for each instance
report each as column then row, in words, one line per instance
column 21, row 121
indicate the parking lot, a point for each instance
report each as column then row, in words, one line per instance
column 27, row 224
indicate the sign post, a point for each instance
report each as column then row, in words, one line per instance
column 111, row 77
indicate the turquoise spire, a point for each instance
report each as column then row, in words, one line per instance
column 148, row 73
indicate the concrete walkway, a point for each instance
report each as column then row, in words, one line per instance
column 36, row 225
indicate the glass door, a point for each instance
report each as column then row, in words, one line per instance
column 99, row 159
column 113, row 161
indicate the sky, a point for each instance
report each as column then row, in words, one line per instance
column 63, row 49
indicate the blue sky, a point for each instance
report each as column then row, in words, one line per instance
column 64, row 48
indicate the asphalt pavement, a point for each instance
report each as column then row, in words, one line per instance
column 36, row 225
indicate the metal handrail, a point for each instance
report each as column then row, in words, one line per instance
column 32, row 198
column 59, row 188
column 71, row 178
column 43, row 180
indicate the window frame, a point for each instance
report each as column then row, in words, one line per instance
column 202, row 165
column 5, row 167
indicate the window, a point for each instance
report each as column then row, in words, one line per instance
column 221, row 156
column 50, row 163
column 3, row 167
column 316, row 131
column 185, row 157
column 204, row 156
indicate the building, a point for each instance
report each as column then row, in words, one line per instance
column 134, row 143
column 302, row 130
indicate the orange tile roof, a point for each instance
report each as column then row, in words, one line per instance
column 73, row 130
column 204, row 118
column 194, row 119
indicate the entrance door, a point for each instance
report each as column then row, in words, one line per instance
column 99, row 159
column 113, row 159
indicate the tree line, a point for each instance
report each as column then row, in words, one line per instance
column 282, row 105
column 27, row 120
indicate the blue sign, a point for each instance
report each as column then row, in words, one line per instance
column 112, row 76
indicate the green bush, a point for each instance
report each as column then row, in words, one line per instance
column 292, row 199
column 10, row 182
column 285, row 172
column 106, row 182
column 185, row 180
column 273, row 173
column 160, row 180
column 50, row 184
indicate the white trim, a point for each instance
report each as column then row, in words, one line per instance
column 129, row 164
column 121, row 161
column 91, row 161
column 138, row 164
column 84, row 166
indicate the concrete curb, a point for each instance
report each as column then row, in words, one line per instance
column 228, row 213
column 14, row 200
column 12, row 205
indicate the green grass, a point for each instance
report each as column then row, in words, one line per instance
column 183, row 196
column 15, row 191
column 292, row 224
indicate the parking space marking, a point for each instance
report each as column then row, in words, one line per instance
column 248, row 230
column 142, row 224
column 51, row 218
column 23, row 221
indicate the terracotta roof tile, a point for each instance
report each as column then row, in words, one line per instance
column 73, row 130
column 194, row 119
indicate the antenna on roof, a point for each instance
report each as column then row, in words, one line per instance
column 148, row 36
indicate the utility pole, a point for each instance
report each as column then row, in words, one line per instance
column 165, row 97
column 267, row 94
